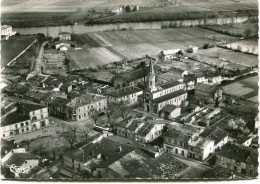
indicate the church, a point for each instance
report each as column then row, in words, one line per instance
column 155, row 98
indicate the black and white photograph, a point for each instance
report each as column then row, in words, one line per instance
column 129, row 90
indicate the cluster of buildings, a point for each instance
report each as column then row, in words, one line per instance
column 6, row 32
column 173, row 104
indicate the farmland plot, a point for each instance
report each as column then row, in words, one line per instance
column 89, row 57
column 234, row 57
column 246, row 88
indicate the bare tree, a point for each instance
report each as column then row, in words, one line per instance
column 94, row 115
column 85, row 132
column 124, row 110
column 109, row 113
column 71, row 139
column 27, row 144
column 74, row 129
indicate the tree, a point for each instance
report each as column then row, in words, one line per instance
column 247, row 32
column 85, row 132
column 94, row 115
column 74, row 129
column 123, row 109
column 127, row 8
column 71, row 139
column 27, row 144
column 109, row 112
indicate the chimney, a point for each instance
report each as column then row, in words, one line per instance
column 120, row 148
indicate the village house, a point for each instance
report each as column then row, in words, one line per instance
column 64, row 36
column 190, row 81
column 20, row 159
column 213, row 78
column 244, row 140
column 170, row 112
column 80, row 108
column 6, row 32
column 58, row 107
column 140, row 129
column 209, row 93
column 95, row 157
column 117, row 10
column 36, row 80
column 28, row 117
column 155, row 98
column 133, row 78
column 7, row 106
column 238, row 158
column 184, row 140
column 128, row 95
column 219, row 136
column 168, row 54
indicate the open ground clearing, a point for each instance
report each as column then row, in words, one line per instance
column 246, row 88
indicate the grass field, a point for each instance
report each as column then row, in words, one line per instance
column 232, row 56
column 14, row 46
column 246, row 88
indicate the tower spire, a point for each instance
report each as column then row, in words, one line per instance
column 151, row 70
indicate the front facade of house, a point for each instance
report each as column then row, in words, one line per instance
column 140, row 130
column 80, row 108
column 29, row 117
column 128, row 95
column 64, row 36
column 239, row 159
column 189, row 147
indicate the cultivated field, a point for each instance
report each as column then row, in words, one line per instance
column 90, row 57
column 246, row 88
column 212, row 55
column 130, row 45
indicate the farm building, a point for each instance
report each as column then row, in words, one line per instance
column 129, row 95
column 208, row 92
column 117, row 10
column 168, row 54
column 64, row 36
column 157, row 97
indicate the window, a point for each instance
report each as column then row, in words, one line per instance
column 22, row 124
column 176, row 151
column 27, row 129
column 3, row 135
column 22, row 130
column 26, row 123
